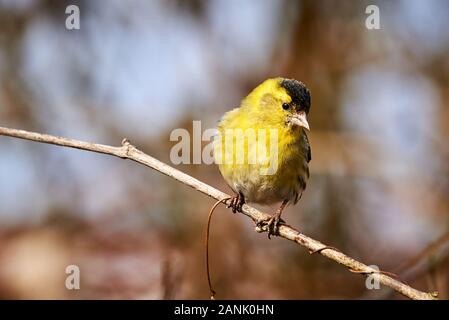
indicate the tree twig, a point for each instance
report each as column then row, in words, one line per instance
column 128, row 151
column 419, row 265
column 209, row 219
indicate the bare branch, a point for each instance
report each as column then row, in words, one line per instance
column 128, row 151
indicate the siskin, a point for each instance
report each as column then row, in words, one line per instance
column 262, row 148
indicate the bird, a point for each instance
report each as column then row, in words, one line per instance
column 267, row 130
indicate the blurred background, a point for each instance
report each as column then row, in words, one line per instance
column 139, row 69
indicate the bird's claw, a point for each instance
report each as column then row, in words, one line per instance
column 271, row 225
column 236, row 203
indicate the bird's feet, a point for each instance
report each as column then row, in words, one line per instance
column 271, row 224
column 237, row 202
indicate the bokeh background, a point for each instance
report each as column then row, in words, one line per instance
column 139, row 69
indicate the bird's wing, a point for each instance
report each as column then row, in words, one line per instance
column 309, row 150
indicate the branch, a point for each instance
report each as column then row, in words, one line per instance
column 128, row 151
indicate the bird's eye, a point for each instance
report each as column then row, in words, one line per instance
column 285, row 106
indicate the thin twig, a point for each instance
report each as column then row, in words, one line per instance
column 128, row 151
column 209, row 218
column 418, row 265
column 432, row 254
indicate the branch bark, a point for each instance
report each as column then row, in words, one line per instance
column 128, row 151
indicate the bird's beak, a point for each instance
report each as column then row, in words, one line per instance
column 300, row 119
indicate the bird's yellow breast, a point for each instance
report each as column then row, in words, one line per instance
column 260, row 156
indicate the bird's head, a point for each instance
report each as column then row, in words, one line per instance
column 281, row 101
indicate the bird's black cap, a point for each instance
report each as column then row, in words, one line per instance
column 298, row 92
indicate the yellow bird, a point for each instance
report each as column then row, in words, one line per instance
column 262, row 148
